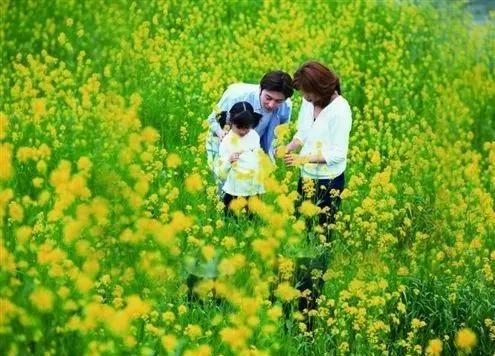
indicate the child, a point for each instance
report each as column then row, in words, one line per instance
column 240, row 155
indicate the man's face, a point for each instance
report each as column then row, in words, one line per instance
column 270, row 100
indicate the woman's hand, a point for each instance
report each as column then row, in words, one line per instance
column 292, row 160
column 293, row 145
column 234, row 157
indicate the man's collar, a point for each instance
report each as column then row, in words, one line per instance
column 257, row 101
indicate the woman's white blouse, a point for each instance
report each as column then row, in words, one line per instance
column 242, row 178
column 326, row 136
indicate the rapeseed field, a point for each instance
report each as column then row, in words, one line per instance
column 108, row 207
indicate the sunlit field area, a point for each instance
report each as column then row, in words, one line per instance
column 113, row 240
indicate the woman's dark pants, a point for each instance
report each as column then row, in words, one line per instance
column 326, row 195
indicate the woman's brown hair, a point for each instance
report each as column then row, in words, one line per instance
column 313, row 77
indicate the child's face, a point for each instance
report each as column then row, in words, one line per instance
column 240, row 131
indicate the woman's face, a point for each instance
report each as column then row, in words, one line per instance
column 310, row 97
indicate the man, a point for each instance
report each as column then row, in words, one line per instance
column 271, row 99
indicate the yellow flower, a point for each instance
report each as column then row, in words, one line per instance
column 307, row 208
column 169, row 342
column 150, row 135
column 62, row 38
column 42, row 299
column 208, row 252
column 119, row 323
column 91, row 266
column 204, row 287
column 465, row 339
column 344, row 347
column 5, row 161
column 78, row 186
column 275, row 312
column 83, row 283
column 16, row 211
column 286, row 292
column 228, row 266
column 25, row 153
column 61, row 175
column 39, row 106
column 194, row 183
column 237, row 205
column 434, row 348
column 193, row 331
column 168, row 316
column 38, row 182
column 23, row 233
column 281, row 130
column 72, row 230
column 41, row 166
column 136, row 307
column 375, row 158
column 285, row 203
column 4, row 125
column 235, row 337
column 280, row 152
column 182, row 309
column 173, row 160
column 203, row 350
column 84, row 163
column 417, row 323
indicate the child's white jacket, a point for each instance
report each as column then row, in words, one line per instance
column 245, row 176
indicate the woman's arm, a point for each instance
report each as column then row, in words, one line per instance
column 334, row 151
column 295, row 160
column 294, row 145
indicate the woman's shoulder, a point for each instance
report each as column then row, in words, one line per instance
column 342, row 106
column 343, row 101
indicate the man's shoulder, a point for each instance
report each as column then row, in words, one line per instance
column 285, row 108
column 241, row 89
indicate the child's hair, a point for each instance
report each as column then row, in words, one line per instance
column 241, row 114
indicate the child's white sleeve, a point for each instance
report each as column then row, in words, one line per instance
column 254, row 140
column 222, row 165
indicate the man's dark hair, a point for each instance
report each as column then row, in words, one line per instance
column 278, row 80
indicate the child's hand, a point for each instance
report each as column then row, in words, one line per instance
column 221, row 134
column 234, row 157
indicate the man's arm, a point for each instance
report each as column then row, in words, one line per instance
column 224, row 104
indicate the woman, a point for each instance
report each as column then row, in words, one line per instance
column 323, row 131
